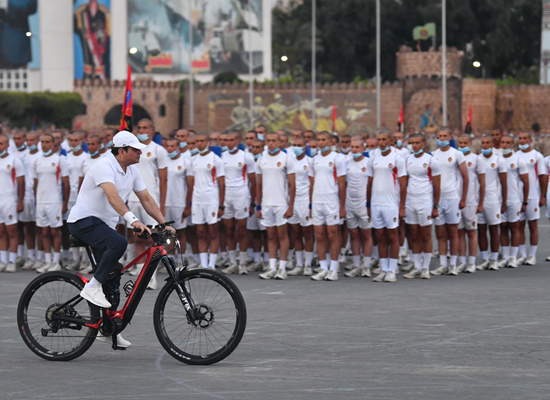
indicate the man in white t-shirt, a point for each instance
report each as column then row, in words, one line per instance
column 205, row 199
column 497, row 136
column 386, row 197
column 20, row 151
column 12, row 182
column 538, row 182
column 517, row 175
column 240, row 189
column 474, row 206
column 357, row 217
column 494, row 206
column 399, row 140
column 423, row 192
column 275, row 194
column 453, row 168
column 51, row 180
column 153, row 169
column 328, row 183
column 94, row 143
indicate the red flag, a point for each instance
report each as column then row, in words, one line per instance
column 333, row 117
column 401, row 122
column 469, row 120
column 126, row 120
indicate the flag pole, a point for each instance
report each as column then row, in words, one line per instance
column 444, row 58
column 250, row 72
column 313, row 69
column 378, row 78
column 191, row 88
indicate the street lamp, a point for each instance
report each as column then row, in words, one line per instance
column 28, row 34
column 133, row 50
column 284, row 58
column 476, row 64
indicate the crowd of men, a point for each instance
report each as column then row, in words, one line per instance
column 291, row 204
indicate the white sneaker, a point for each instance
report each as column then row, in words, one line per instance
column 44, row 268
column 374, row 263
column 365, row 272
column 452, row 270
column 281, row 274
column 461, row 268
column 397, row 270
column 221, row 262
column 400, row 259
column 95, row 296
column 425, row 274
column 353, row 273
column 86, row 269
column 331, row 276
column 19, row 261
column 10, row 267
column 192, row 263
column 377, row 271
column 55, row 267
column 493, row 265
column 73, row 265
column 531, row 260
column 390, row 277
column 548, row 258
column 249, row 260
column 308, row 271
column 232, row 269
column 317, row 269
column 513, row 263
column 29, row 263
column 38, row 264
column 120, row 341
column 255, row 266
column 380, row 277
column 242, row 269
column 342, row 259
column 408, row 268
column 152, row 285
column 522, row 260
column 435, row 253
column 483, row 265
column 349, row 267
column 440, row 271
column 290, row 265
column 270, row 274
column 413, row 274
column 471, row 268
column 320, row 276
column 503, row 263
column 297, row 271
column 135, row 271
column 64, row 262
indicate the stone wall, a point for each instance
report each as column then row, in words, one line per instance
column 519, row 107
column 481, row 95
column 428, row 63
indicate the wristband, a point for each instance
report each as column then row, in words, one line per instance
column 310, row 206
column 222, row 208
column 130, row 217
column 525, row 203
column 368, row 204
column 253, row 205
column 258, row 208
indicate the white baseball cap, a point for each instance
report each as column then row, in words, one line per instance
column 125, row 138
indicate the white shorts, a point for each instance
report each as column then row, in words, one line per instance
column 449, row 212
column 468, row 219
column 8, row 213
column 532, row 211
column 29, row 211
column 49, row 215
column 326, row 214
column 237, row 208
column 188, row 221
column 490, row 215
column 357, row 217
column 419, row 212
column 512, row 213
column 175, row 214
column 254, row 224
column 141, row 214
column 204, row 214
column 70, row 205
column 384, row 217
column 274, row 216
column 301, row 215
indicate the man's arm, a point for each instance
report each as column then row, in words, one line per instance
column 403, row 188
column 116, row 202
column 464, row 172
column 259, row 194
column 525, row 179
column 292, row 195
column 66, row 193
column 436, row 182
column 252, row 180
column 21, row 193
column 543, row 188
column 504, row 187
column 481, row 178
column 221, row 186
column 163, row 182
column 35, row 186
column 342, row 193
column 189, row 199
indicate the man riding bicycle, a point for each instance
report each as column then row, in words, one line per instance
column 101, row 199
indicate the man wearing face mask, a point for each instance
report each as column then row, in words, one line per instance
column 400, row 145
column 94, row 144
column 249, row 139
column 345, row 145
column 313, row 147
column 261, row 130
column 497, row 136
column 495, row 204
column 109, row 135
column 538, row 182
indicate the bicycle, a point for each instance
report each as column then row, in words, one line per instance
column 199, row 315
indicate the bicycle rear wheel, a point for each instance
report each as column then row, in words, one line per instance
column 47, row 336
column 217, row 332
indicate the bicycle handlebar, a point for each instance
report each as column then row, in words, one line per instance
column 158, row 235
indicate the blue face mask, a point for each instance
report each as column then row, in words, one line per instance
column 260, row 136
column 523, row 146
column 464, row 150
column 507, row 151
column 33, row 147
column 383, row 150
column 334, row 148
column 370, row 151
column 472, row 135
column 313, row 152
column 76, row 149
column 399, row 143
column 487, row 151
column 109, row 144
column 273, row 151
column 143, row 137
column 194, row 152
column 325, row 149
column 94, row 153
column 206, row 150
column 257, row 156
column 173, row 154
column 21, row 148
column 2, row 154
column 442, row 143
column 418, row 152
column 298, row 151
column 224, row 148
column 102, row 146
column 356, row 156
column 47, row 153
column 183, row 145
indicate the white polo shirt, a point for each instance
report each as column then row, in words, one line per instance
column 92, row 200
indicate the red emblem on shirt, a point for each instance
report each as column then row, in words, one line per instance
column 450, row 159
column 330, row 164
column 498, row 216
column 9, row 166
column 240, row 164
column 390, row 166
column 208, row 166
column 364, row 169
column 180, row 167
column 279, row 164
column 470, row 164
column 493, row 165
column 53, row 164
column 149, row 154
column 425, row 165
column 512, row 166
column 532, row 161
column 305, row 167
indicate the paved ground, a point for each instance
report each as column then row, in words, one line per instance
column 468, row 337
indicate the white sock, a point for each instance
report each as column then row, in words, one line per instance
column 232, row 257
column 494, row 256
column 66, row 253
column 506, row 252
column 309, row 258
column 40, row 255
column 453, row 260
column 334, row 264
column 273, row 263
column 472, row 260
column 384, row 264
column 485, row 255
column 56, row 257
column 257, row 257
column 522, row 250
column 410, row 253
column 324, row 265
column 266, row 256
column 212, row 261
column 12, row 257
column 366, row 261
column 356, row 261
column 375, row 254
column 299, row 258
column 393, row 265
column 31, row 253
column 197, row 258
column 131, row 251
column 282, row 264
column 343, row 251
column 48, row 257
column 20, row 250
column 462, row 259
column 417, row 260
column 427, row 257
column 223, row 254
column 93, row 283
column 243, row 255
column 533, row 251
column 513, row 252
column 75, row 251
column 250, row 252
column 443, row 260
column 290, row 255
column 204, row 259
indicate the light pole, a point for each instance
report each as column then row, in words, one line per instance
column 378, row 78
column 444, row 58
column 250, row 72
column 313, row 69
column 191, row 89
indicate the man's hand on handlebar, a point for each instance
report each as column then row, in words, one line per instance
column 169, row 229
column 143, row 228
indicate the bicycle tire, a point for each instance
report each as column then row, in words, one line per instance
column 23, row 322
column 190, row 278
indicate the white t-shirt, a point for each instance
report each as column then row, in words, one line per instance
column 92, row 200
column 494, row 165
column 357, row 179
column 449, row 162
column 75, row 165
column 385, row 172
column 515, row 166
column 275, row 170
column 237, row 167
column 49, row 171
column 88, row 163
column 326, row 170
column 28, row 161
column 11, row 168
column 176, row 194
column 475, row 168
column 420, row 171
column 536, row 165
column 153, row 157
column 404, row 152
column 206, row 170
column 301, row 171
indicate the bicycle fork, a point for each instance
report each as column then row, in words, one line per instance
column 183, row 291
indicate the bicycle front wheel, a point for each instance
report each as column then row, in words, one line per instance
column 215, row 333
